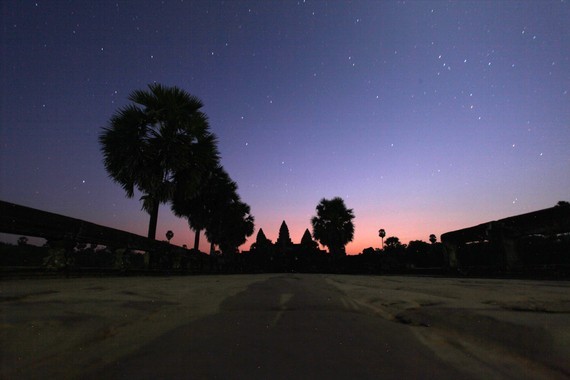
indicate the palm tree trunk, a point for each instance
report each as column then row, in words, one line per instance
column 197, row 240
column 153, row 220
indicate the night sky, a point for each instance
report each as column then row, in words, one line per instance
column 424, row 116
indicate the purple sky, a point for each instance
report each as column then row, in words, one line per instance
column 424, row 116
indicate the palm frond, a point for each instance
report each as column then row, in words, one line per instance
column 159, row 145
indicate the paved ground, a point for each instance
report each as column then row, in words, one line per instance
column 284, row 326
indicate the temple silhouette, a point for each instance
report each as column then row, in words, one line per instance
column 284, row 255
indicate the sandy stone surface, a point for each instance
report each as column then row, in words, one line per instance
column 63, row 328
column 488, row 328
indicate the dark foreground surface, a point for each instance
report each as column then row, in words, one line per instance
column 285, row 326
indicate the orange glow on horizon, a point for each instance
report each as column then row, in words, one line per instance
column 407, row 225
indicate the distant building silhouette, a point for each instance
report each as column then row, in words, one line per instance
column 284, row 255
column 307, row 242
column 284, row 243
column 261, row 240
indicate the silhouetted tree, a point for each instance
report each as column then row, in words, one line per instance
column 160, row 140
column 201, row 207
column 394, row 255
column 238, row 226
column 22, row 240
column 418, row 253
column 230, row 225
column 432, row 238
column 332, row 225
column 169, row 235
column 382, row 234
column 563, row 204
column 393, row 243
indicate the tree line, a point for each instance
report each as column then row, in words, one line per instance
column 161, row 145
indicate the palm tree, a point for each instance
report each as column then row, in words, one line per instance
column 200, row 207
column 159, row 141
column 332, row 225
column 239, row 224
column 217, row 208
column 231, row 225
column 382, row 234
